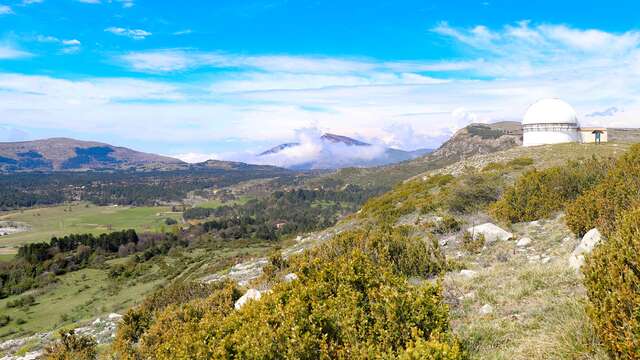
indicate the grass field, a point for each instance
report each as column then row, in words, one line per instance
column 212, row 204
column 81, row 296
column 80, row 218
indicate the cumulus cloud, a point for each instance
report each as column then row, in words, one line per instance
column 136, row 34
column 194, row 157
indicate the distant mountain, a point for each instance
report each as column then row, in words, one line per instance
column 58, row 154
column 338, row 151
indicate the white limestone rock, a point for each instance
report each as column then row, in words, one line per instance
column 251, row 294
column 524, row 242
column 586, row 245
column 486, row 309
column 491, row 232
column 290, row 277
column 468, row 273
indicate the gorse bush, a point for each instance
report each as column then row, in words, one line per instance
column 352, row 300
column 612, row 279
column 137, row 321
column 72, row 347
column 616, row 193
column 404, row 199
column 343, row 308
column 539, row 193
column 472, row 192
column 393, row 247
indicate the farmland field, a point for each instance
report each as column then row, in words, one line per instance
column 80, row 218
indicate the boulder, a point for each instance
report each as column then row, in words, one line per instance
column 491, row 232
column 251, row 294
column 586, row 245
column 290, row 277
column 524, row 242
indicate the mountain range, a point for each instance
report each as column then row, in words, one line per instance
column 57, row 154
column 332, row 151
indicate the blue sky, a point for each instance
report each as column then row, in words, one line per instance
column 227, row 79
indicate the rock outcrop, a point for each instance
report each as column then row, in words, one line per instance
column 251, row 294
column 586, row 245
column 491, row 232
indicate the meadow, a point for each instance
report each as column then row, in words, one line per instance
column 46, row 222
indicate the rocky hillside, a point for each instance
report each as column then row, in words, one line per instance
column 472, row 140
column 68, row 154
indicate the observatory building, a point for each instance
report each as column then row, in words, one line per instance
column 553, row 121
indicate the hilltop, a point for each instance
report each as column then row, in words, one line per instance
column 57, row 154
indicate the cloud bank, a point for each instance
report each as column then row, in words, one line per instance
column 406, row 104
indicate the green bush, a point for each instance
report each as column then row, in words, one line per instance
column 344, row 308
column 72, row 347
column 601, row 206
column 136, row 321
column 472, row 243
column 538, row 194
column 4, row 320
column 472, row 192
column 612, row 279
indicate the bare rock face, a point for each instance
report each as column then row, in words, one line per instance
column 491, row 232
column 586, row 245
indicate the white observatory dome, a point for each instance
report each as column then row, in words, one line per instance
column 550, row 111
column 549, row 121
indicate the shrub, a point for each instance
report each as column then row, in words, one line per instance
column 472, row 243
column 4, row 320
column 447, row 225
column 136, row 321
column 344, row 308
column 170, row 221
column 24, row 301
column 472, row 192
column 72, row 347
column 612, row 279
column 616, row 193
column 404, row 199
column 394, row 247
column 538, row 194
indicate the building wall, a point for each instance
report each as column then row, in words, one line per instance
column 586, row 136
column 533, row 138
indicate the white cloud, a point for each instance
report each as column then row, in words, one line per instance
column 193, row 157
column 136, row 34
column 182, row 32
column 9, row 52
column 5, row 10
column 89, row 1
column 405, row 104
column 71, row 42
column 29, row 2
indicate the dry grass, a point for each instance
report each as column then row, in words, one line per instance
column 538, row 305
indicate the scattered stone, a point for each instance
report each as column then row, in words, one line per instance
column 586, row 245
column 447, row 240
column 468, row 273
column 115, row 316
column 534, row 258
column 491, row 232
column 524, row 242
column 546, row 259
column 486, row 309
column 251, row 294
column 290, row 277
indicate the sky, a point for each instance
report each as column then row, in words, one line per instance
column 227, row 79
